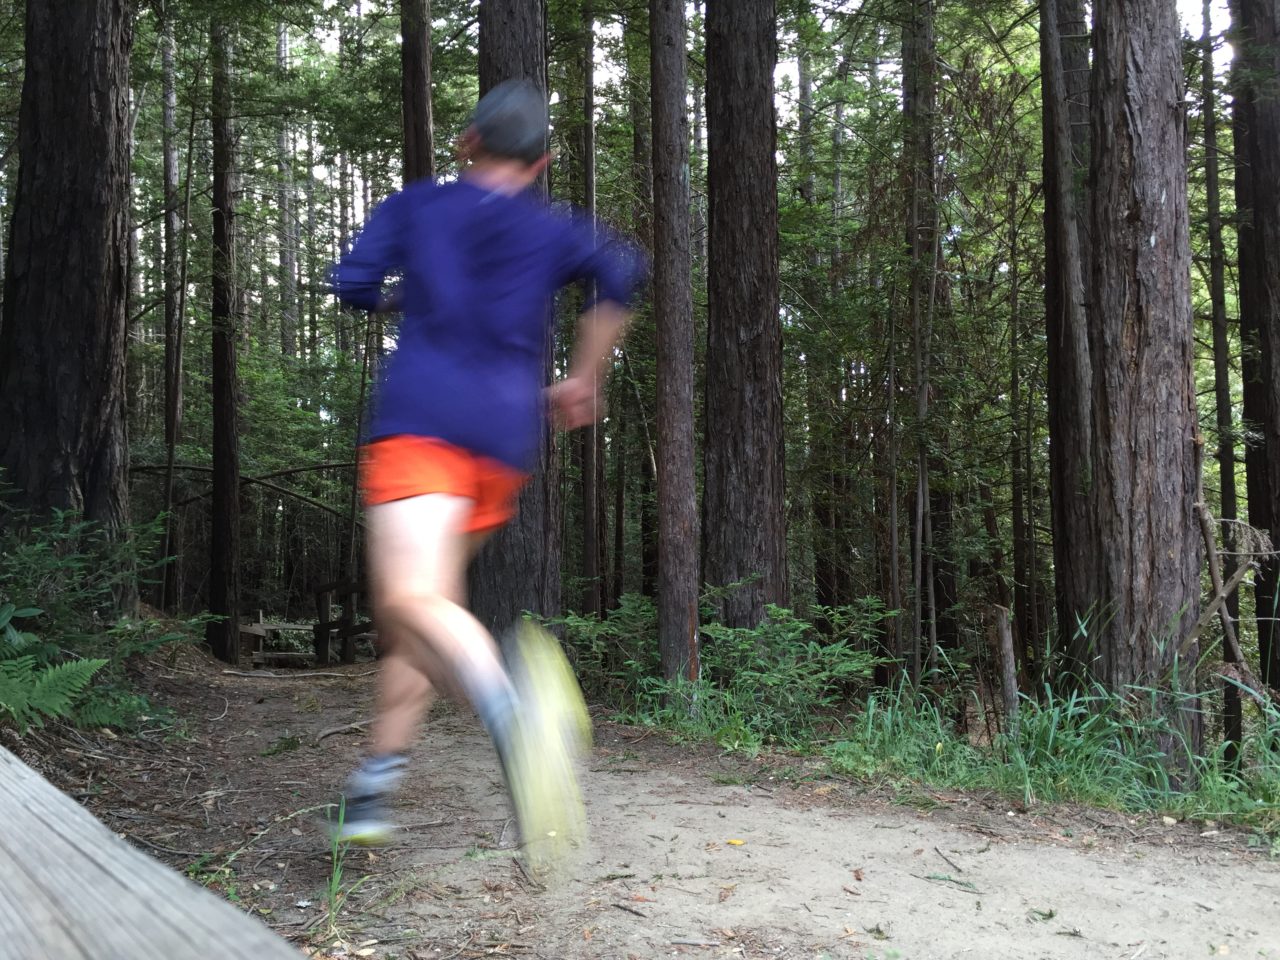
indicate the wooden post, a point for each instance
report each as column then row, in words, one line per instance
column 1008, row 665
column 348, row 629
column 324, row 611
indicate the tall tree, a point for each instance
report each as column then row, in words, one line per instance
column 744, row 520
column 1141, row 345
column 1259, row 63
column 1064, row 82
column 919, row 104
column 287, row 232
column 224, row 564
column 63, row 330
column 172, row 320
column 589, row 436
column 415, row 74
column 519, row 569
column 1232, row 718
column 673, row 320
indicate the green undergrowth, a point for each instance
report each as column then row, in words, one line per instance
column 64, row 652
column 1094, row 748
column 787, row 685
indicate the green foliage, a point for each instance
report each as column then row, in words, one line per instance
column 67, row 658
column 779, row 682
column 29, row 693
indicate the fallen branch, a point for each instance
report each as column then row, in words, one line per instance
column 345, row 728
column 307, row 675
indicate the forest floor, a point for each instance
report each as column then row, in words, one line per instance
column 693, row 853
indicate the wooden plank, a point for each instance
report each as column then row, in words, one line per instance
column 70, row 889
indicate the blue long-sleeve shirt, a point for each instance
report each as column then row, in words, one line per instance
column 478, row 270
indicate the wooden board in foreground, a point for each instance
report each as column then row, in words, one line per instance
column 70, row 889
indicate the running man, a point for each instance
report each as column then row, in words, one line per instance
column 457, row 424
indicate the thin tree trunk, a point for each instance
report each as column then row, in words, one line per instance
column 1064, row 84
column 743, row 449
column 619, row 502
column 415, row 67
column 288, row 229
column 918, row 107
column 673, row 320
column 1023, row 573
column 172, row 323
column 592, row 543
column 224, row 566
column 698, row 162
column 1233, row 718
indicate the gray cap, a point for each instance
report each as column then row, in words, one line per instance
column 511, row 120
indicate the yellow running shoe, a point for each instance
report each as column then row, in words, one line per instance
column 552, row 730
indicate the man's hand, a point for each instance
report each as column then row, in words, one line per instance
column 576, row 402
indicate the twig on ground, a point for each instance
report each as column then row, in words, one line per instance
column 962, row 885
column 623, row 906
column 163, row 849
column 226, row 705
column 954, row 865
column 694, row 943
column 301, row 675
column 344, row 728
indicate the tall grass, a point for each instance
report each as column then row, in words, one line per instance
column 787, row 685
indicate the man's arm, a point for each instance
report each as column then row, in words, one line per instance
column 358, row 278
column 577, row 399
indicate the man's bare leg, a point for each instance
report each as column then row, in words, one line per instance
column 418, row 555
column 405, row 693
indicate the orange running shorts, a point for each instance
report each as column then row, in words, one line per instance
column 399, row 467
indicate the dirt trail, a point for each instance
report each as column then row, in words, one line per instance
column 825, row 868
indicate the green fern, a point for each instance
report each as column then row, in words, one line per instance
column 29, row 693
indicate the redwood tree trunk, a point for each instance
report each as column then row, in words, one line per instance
column 519, row 569
column 1142, row 347
column 415, row 87
column 743, row 529
column 63, row 331
column 1259, row 53
column 673, row 319
column 1064, row 78
column 224, row 566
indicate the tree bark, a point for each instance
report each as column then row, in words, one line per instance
column 224, row 563
column 592, row 530
column 1064, row 79
column 1254, row 412
column 1141, row 344
column 673, row 320
column 743, row 450
column 415, row 66
column 919, row 104
column 288, row 229
column 1259, row 54
column 1233, row 719
column 63, row 332
column 172, row 319
column 519, row 569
